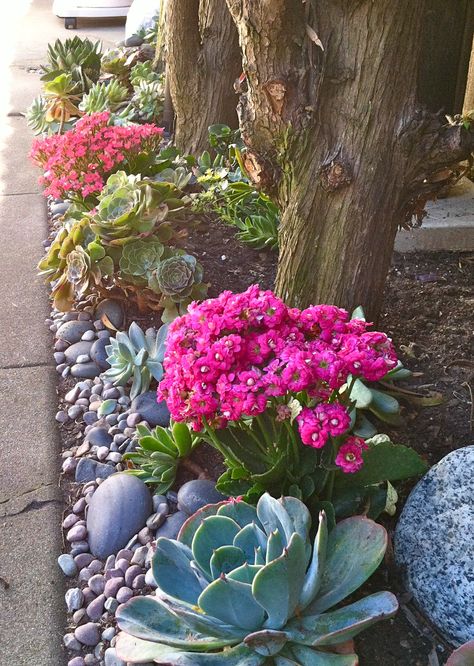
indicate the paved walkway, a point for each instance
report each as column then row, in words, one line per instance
column 31, row 586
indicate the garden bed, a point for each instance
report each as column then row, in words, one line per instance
column 428, row 301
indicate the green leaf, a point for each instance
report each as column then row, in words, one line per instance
column 361, row 394
column 148, row 619
column 300, row 655
column 214, row 532
column 232, row 602
column 248, row 539
column 171, row 566
column 227, row 486
column 136, row 651
column 314, row 575
column 343, row 624
column 384, row 462
column 182, row 438
column 225, row 559
column 188, row 530
column 273, row 516
column 107, row 407
column 246, row 573
column 363, row 427
column 384, row 403
column 266, row 642
column 277, row 586
column 356, row 547
column 241, row 512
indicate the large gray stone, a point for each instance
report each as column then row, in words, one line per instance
column 88, row 469
column 172, row 525
column 195, row 494
column 72, row 331
column 118, row 510
column 434, row 545
column 155, row 413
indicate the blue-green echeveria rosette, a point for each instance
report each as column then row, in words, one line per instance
column 245, row 586
column 175, row 277
column 140, row 257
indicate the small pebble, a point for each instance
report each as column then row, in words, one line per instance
column 111, row 393
column 102, row 452
column 79, row 547
column 90, row 660
column 82, row 402
column 61, row 417
column 111, row 658
column 67, row 564
column 59, row 357
column 109, row 563
column 82, row 449
column 149, row 579
column 74, row 599
column 90, row 418
column 83, row 560
column 156, row 520
column 76, row 533
column 83, row 358
column 72, row 395
column 96, row 608
column 98, row 650
column 87, row 634
column 95, row 566
column 144, row 535
column 74, row 411
column 125, row 554
column 158, row 500
column 133, row 420
column 69, row 521
column 108, row 634
column 88, row 335
column 111, row 419
column 71, row 642
column 114, row 457
column 79, row 506
column 122, row 564
column 77, row 661
column 97, row 584
column 131, row 574
column 79, row 615
column 139, row 582
column 88, row 595
column 111, row 605
column 124, row 594
column 139, row 556
column 69, row 465
column 85, row 575
column 124, row 400
column 112, row 586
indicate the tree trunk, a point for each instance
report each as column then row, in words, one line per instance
column 203, row 61
column 333, row 132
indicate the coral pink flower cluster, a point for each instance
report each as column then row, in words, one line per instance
column 80, row 160
column 229, row 357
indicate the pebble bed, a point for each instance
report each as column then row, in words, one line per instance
column 109, row 544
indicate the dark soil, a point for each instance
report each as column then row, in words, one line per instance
column 428, row 311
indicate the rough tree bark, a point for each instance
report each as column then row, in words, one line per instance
column 203, row 61
column 334, row 132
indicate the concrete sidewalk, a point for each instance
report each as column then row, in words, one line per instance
column 32, row 608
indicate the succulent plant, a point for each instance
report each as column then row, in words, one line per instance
column 78, row 57
column 179, row 176
column 159, row 453
column 118, row 62
column 137, row 356
column 129, row 207
column 148, row 100
column 244, row 586
column 143, row 71
column 175, row 277
column 105, row 96
column 82, row 272
column 140, row 257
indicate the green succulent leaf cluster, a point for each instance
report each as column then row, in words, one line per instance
column 129, row 206
column 143, row 71
column 158, row 454
column 118, row 62
column 136, row 356
column 105, row 96
column 175, row 277
column 80, row 58
column 148, row 100
column 244, row 585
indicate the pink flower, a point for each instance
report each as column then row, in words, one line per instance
column 349, row 457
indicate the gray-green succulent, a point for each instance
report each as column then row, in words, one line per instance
column 140, row 257
column 148, row 99
column 244, row 586
column 129, row 206
column 105, row 96
column 175, row 277
column 136, row 356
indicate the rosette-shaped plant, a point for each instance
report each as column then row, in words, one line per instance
column 148, row 99
column 104, row 97
column 137, row 356
column 140, row 257
column 129, row 208
column 176, row 276
column 78, row 57
column 244, row 586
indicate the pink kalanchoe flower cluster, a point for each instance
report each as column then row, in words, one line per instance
column 229, row 356
column 349, row 457
column 80, row 160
